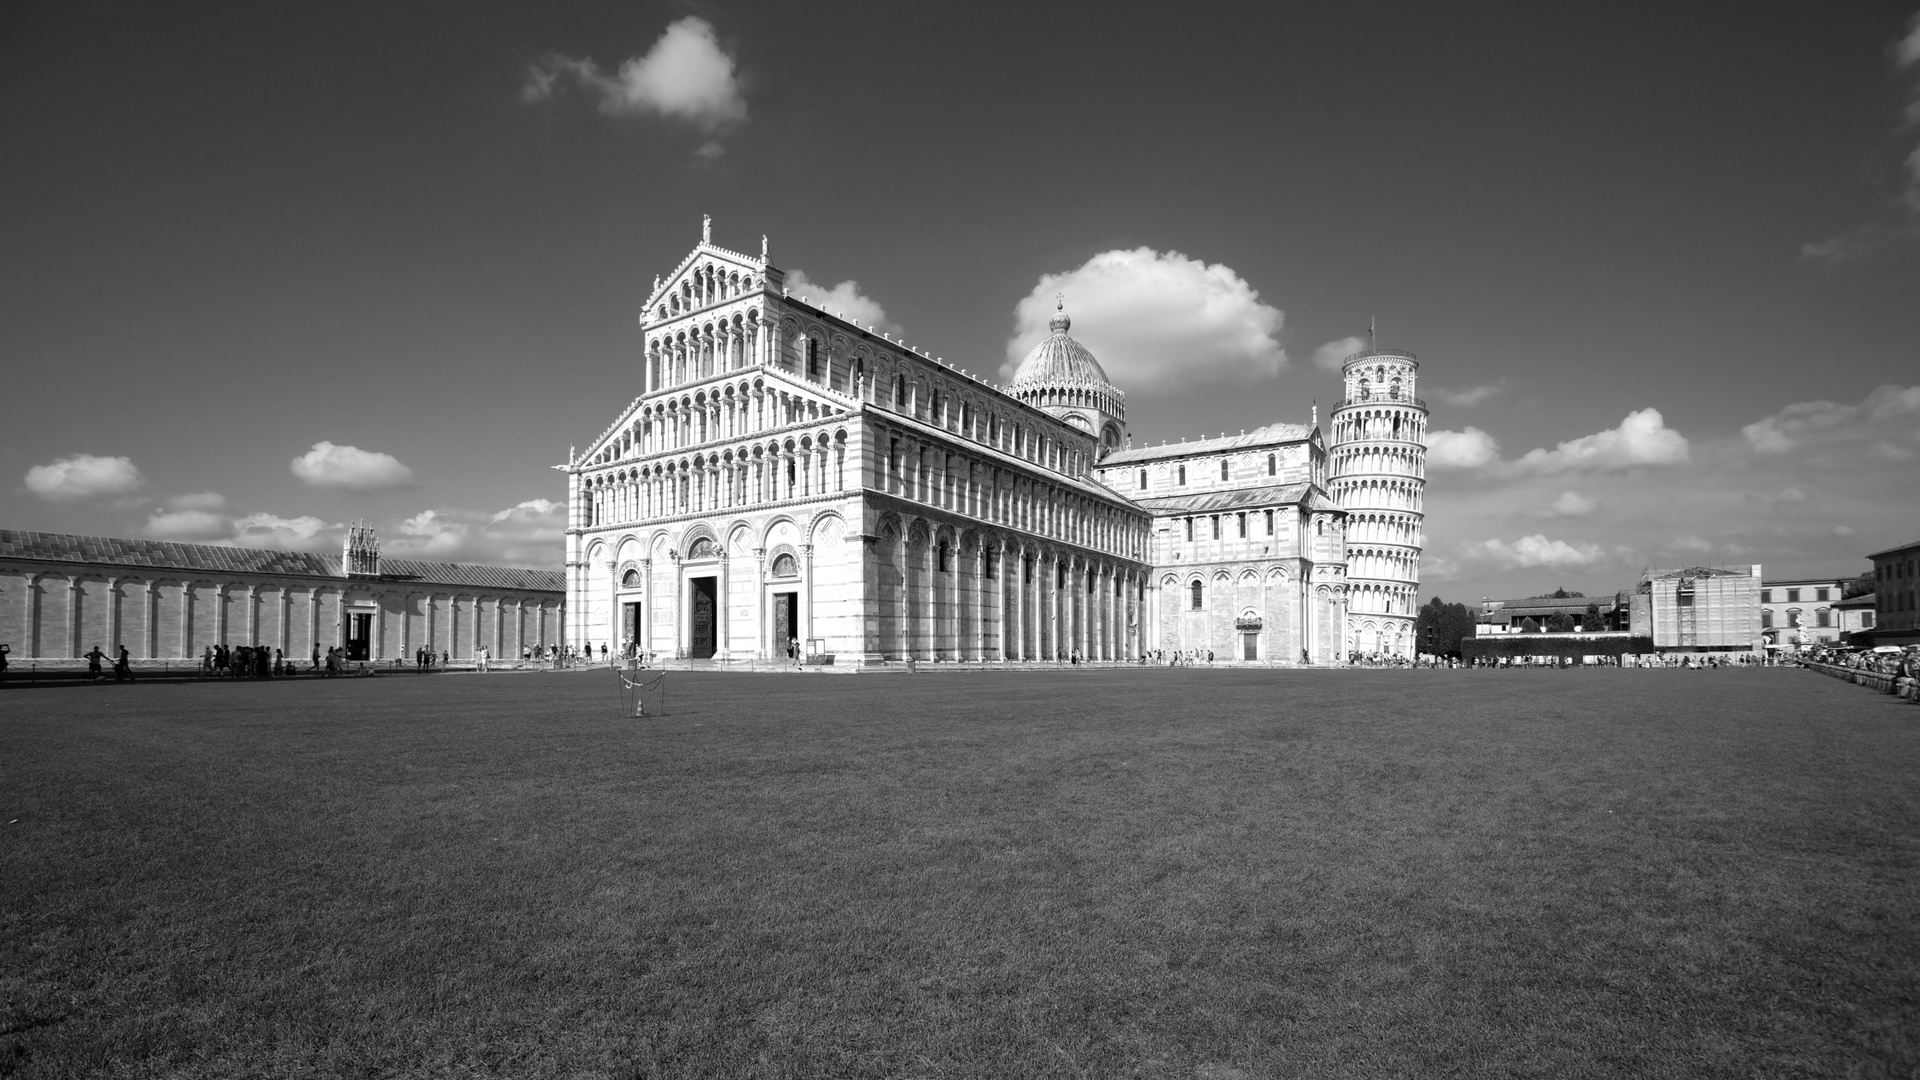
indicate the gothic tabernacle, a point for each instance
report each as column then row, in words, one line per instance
column 788, row 480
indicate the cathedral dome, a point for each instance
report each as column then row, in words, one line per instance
column 1059, row 361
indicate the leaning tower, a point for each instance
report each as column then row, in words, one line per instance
column 1378, row 468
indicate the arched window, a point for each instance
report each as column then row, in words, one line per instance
column 701, row 549
column 1224, row 470
column 1272, row 463
column 630, row 579
column 1183, row 474
column 942, row 556
column 1199, row 594
column 785, row 566
column 1143, row 479
column 813, row 358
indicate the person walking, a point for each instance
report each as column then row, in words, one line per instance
column 4, row 650
column 123, row 667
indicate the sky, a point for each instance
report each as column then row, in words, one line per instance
column 268, row 269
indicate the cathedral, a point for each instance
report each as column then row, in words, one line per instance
column 789, row 483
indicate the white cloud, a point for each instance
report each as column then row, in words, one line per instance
column 1906, row 51
column 205, row 500
column 189, row 526
column 531, row 533
column 1471, row 396
column 1643, row 438
column 295, row 534
column 1692, row 544
column 351, row 468
column 685, row 76
column 533, row 510
column 1332, row 355
column 195, row 526
column 1574, row 504
column 1157, row 321
column 1534, row 551
column 844, row 300
column 84, row 476
column 1889, row 451
column 1855, row 243
column 1886, row 410
column 1469, row 449
column 1902, row 221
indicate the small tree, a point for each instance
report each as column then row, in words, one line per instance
column 1528, row 626
column 1560, row 623
column 1593, row 620
column 1859, row 586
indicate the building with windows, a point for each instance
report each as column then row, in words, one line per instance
column 1855, row 616
column 1896, row 591
column 787, row 480
column 1608, row 611
column 1246, row 543
column 62, row 595
column 1801, row 611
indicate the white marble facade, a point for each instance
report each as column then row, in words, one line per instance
column 786, row 475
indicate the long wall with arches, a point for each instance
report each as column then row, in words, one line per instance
column 61, row 595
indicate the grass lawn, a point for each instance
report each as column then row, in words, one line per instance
column 1159, row 873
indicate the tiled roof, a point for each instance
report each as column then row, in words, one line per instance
column 1270, row 435
column 1232, row 499
column 1908, row 546
column 211, row 558
column 1863, row 600
column 1548, row 605
column 491, row 577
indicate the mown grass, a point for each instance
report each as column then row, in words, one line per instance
column 1157, row 873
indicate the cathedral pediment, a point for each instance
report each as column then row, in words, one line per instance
column 709, row 275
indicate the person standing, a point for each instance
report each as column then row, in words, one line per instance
column 4, row 650
column 93, row 663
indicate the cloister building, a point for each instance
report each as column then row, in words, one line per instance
column 789, row 480
column 61, row 595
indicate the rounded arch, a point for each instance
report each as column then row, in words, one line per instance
column 694, row 536
column 825, row 525
column 772, row 527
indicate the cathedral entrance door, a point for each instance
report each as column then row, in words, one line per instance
column 630, row 625
column 704, row 616
column 360, row 637
column 786, row 621
column 1250, row 646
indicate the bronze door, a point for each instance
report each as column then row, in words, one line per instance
column 704, row 616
